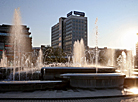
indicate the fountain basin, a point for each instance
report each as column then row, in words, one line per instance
column 30, row 85
column 54, row 72
column 131, row 82
column 26, row 76
column 6, row 71
column 95, row 80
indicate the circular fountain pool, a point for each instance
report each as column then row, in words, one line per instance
column 54, row 72
column 95, row 80
column 30, row 85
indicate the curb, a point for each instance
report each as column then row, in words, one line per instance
column 70, row 98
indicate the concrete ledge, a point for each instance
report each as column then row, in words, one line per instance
column 30, row 85
column 54, row 72
column 95, row 80
column 131, row 82
column 70, row 98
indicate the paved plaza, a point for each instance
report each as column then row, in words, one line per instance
column 69, row 95
column 119, row 99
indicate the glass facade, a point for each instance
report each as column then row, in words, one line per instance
column 7, row 46
column 55, row 36
column 73, row 28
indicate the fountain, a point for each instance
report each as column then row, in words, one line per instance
column 79, row 74
column 83, row 75
column 22, row 58
column 97, row 52
column 3, row 60
column 111, row 56
column 23, row 76
column 126, row 64
column 79, row 53
column 39, row 60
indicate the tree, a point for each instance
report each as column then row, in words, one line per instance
column 54, row 55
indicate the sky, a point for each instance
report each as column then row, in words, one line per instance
column 117, row 19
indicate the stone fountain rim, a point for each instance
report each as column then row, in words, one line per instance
column 104, row 67
column 132, row 77
column 93, row 74
column 29, row 82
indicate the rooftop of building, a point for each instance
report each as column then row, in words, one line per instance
column 5, row 28
column 76, row 13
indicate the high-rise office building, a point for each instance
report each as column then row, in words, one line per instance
column 68, row 30
column 7, row 46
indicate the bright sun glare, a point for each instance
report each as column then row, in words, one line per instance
column 134, row 90
column 129, row 40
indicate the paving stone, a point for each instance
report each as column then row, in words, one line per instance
column 63, row 93
column 119, row 99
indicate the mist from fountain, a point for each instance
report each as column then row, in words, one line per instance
column 130, row 63
column 97, row 52
column 78, row 53
column 68, row 61
column 111, row 57
column 17, row 39
column 3, row 62
column 22, row 59
column 39, row 61
column 126, row 63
